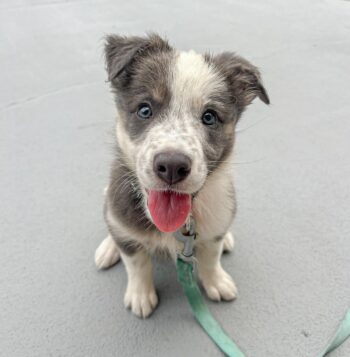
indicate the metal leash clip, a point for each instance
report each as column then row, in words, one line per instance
column 187, row 235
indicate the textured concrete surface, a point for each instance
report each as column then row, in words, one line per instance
column 291, row 262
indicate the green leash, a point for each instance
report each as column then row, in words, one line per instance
column 201, row 311
column 340, row 336
column 184, row 264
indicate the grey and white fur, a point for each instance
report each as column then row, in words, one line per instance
column 177, row 88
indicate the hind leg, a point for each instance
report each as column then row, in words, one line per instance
column 228, row 243
column 107, row 254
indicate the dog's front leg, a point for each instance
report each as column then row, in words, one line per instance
column 217, row 283
column 140, row 295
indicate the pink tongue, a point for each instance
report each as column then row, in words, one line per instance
column 169, row 210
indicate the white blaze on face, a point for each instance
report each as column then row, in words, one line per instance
column 194, row 79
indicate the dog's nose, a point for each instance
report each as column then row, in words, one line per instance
column 171, row 166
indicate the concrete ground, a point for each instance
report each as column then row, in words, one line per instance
column 291, row 262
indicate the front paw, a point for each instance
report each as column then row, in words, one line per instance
column 219, row 285
column 141, row 300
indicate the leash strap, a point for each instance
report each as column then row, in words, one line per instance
column 201, row 311
column 340, row 336
column 215, row 331
column 184, row 265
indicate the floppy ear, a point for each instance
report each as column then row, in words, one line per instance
column 243, row 78
column 121, row 52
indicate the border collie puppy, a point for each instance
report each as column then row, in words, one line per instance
column 175, row 133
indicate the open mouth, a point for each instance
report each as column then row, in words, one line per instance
column 169, row 209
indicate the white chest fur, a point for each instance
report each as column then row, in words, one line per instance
column 214, row 206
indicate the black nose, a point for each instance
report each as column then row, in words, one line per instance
column 171, row 166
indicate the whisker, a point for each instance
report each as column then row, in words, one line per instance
column 251, row 126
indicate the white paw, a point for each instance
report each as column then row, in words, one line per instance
column 107, row 254
column 141, row 300
column 219, row 285
column 229, row 242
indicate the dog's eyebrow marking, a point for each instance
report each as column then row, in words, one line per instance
column 159, row 92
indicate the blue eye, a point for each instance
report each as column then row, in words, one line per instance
column 209, row 117
column 145, row 111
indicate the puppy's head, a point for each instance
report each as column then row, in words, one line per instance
column 176, row 116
